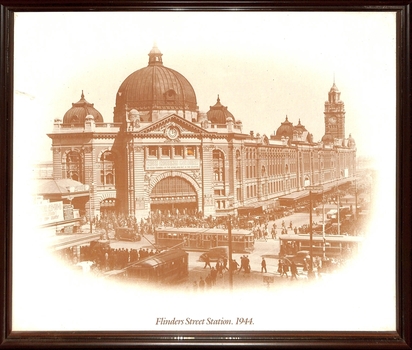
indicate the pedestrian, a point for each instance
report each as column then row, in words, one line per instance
column 219, row 268
column 265, row 233
column 213, row 275
column 207, row 261
column 234, row 265
column 280, row 267
column 247, row 264
column 306, row 267
column 225, row 264
column 274, row 231
column 285, row 269
column 201, row 283
column 294, row 270
column 208, row 281
column 263, row 265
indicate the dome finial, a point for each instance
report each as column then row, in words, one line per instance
column 286, row 118
column 82, row 96
column 155, row 56
column 218, row 98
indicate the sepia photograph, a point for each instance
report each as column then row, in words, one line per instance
column 204, row 171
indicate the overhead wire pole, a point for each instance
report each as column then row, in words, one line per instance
column 90, row 209
column 323, row 227
column 310, row 272
column 229, row 226
column 311, row 189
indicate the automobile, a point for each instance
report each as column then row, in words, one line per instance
column 332, row 214
column 126, row 234
column 215, row 253
column 299, row 258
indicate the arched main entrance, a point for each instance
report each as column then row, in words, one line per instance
column 174, row 194
column 107, row 206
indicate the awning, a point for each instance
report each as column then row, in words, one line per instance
column 295, row 195
column 292, row 199
column 250, row 209
column 332, row 185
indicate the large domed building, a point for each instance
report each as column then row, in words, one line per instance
column 155, row 92
column 160, row 155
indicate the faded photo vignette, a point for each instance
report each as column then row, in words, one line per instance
column 208, row 178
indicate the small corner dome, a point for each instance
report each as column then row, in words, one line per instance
column 80, row 110
column 219, row 114
column 285, row 129
column 327, row 138
column 351, row 141
column 299, row 127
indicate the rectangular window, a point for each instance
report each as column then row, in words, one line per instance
column 179, row 151
column 190, row 151
column 152, row 152
column 166, row 152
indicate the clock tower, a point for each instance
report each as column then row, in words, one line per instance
column 334, row 114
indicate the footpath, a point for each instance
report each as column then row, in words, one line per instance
column 242, row 280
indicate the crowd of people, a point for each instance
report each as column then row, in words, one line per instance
column 105, row 258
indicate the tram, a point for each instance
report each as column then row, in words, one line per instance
column 202, row 239
column 335, row 246
column 168, row 267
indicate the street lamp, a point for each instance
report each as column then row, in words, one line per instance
column 311, row 190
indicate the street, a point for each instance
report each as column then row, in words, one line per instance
column 269, row 249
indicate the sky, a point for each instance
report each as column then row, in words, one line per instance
column 264, row 66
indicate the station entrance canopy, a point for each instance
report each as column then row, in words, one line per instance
column 294, row 198
column 291, row 199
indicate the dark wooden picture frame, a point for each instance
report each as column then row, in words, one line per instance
column 399, row 339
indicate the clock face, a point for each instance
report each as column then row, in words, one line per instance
column 332, row 120
column 172, row 132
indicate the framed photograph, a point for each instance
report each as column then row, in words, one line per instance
column 230, row 174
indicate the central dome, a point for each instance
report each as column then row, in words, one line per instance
column 156, row 92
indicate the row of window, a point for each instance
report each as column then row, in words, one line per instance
column 271, row 187
column 251, row 153
column 73, row 164
column 169, row 152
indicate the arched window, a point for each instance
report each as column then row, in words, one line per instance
column 218, row 165
column 263, row 171
column 73, row 166
column 107, row 171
